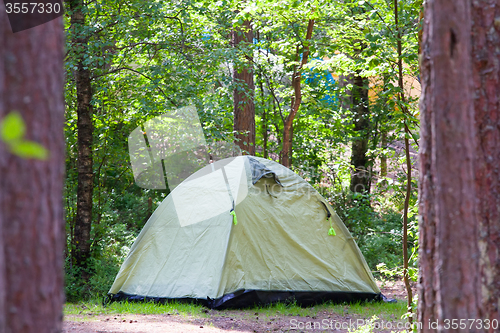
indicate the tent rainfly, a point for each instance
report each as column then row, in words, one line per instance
column 244, row 231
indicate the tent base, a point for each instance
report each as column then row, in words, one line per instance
column 247, row 298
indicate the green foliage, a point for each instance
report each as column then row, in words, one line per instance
column 12, row 127
column 108, row 255
column 12, row 132
column 413, row 312
column 374, row 220
column 146, row 57
column 378, row 234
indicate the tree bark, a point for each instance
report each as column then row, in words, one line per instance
column 31, row 207
column 383, row 158
column 286, row 149
column 85, row 134
column 265, row 134
column 384, row 133
column 4, row 26
column 360, row 179
column 485, row 39
column 449, row 286
column 243, row 94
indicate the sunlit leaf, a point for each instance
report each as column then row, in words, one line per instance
column 12, row 127
column 30, row 149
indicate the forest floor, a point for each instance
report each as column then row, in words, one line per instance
column 327, row 318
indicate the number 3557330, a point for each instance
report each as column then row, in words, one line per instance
column 32, row 7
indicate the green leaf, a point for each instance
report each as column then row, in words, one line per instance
column 30, row 149
column 12, row 127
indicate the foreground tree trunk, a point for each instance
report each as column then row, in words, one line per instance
column 31, row 209
column 243, row 94
column 83, row 225
column 486, row 79
column 450, row 282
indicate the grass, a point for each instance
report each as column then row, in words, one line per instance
column 292, row 309
column 387, row 311
column 95, row 308
column 379, row 309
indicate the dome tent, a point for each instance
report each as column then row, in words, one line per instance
column 244, row 231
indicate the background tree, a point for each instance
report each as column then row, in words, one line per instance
column 84, row 165
column 31, row 211
column 301, row 58
column 282, row 50
column 244, row 91
column 360, row 179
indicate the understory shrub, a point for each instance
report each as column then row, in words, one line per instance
column 379, row 234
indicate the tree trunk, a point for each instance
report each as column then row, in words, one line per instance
column 265, row 134
column 402, row 101
column 485, row 39
column 85, row 132
column 243, row 95
column 4, row 26
column 31, row 207
column 360, row 179
column 384, row 133
column 449, row 286
column 286, row 149
column 383, row 158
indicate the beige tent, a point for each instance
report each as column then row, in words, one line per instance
column 241, row 231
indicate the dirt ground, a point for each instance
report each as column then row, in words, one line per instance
column 236, row 321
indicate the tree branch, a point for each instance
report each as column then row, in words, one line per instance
column 142, row 74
